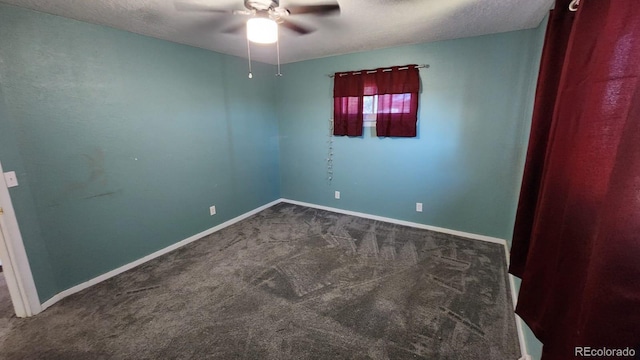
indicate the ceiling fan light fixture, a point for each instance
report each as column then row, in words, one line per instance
column 262, row 30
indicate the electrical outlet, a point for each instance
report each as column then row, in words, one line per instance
column 337, row 195
column 212, row 210
column 419, row 207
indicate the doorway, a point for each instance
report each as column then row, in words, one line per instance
column 16, row 273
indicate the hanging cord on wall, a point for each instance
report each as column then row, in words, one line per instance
column 278, row 52
column 573, row 6
column 330, row 153
column 249, row 54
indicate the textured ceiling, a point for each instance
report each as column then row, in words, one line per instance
column 361, row 25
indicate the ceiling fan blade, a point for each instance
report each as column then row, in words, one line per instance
column 325, row 9
column 235, row 29
column 188, row 6
column 302, row 30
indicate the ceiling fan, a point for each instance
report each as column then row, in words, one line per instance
column 264, row 16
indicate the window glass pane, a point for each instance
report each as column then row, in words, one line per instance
column 369, row 108
column 368, row 104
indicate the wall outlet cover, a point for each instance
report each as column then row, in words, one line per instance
column 11, row 179
column 419, row 207
column 337, row 195
column 212, row 210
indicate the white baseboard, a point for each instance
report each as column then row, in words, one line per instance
column 401, row 222
column 63, row 294
column 519, row 322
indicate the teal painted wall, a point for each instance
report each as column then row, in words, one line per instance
column 466, row 164
column 122, row 142
column 534, row 346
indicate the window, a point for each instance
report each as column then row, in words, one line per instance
column 384, row 98
column 399, row 104
column 369, row 110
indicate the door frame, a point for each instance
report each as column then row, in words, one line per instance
column 15, row 263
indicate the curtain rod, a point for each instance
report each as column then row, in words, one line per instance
column 425, row 66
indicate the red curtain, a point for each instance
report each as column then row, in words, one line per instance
column 396, row 90
column 553, row 54
column 348, row 90
column 576, row 243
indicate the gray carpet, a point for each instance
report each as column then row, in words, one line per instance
column 290, row 283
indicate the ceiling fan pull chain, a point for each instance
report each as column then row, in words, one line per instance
column 278, row 54
column 249, row 55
